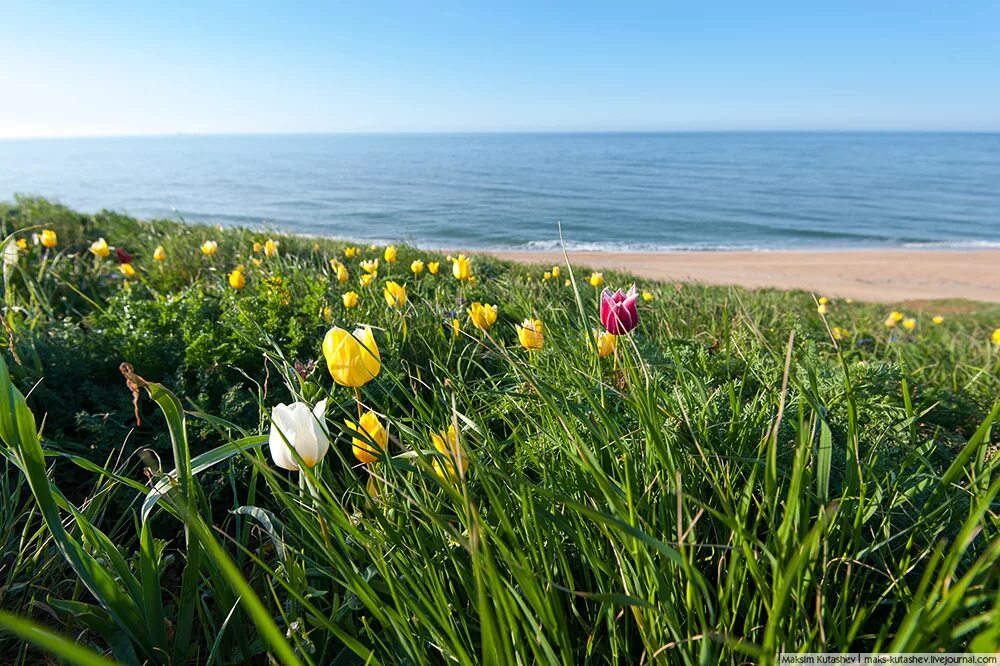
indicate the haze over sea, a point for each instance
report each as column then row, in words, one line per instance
column 630, row 191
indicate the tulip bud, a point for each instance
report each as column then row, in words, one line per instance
column 99, row 248
column 483, row 316
column 48, row 238
column 606, row 343
column 295, row 427
column 159, row 254
column 446, row 443
column 390, row 254
column 618, row 311
column 371, row 440
column 433, row 267
column 530, row 334
column 395, row 294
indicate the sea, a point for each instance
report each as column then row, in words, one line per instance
column 601, row 191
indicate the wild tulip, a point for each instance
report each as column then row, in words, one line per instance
column 270, row 248
column 372, row 247
column 417, row 267
column 461, row 267
column 48, row 238
column 546, row 276
column 395, row 294
column 531, row 335
column 159, row 254
column 209, row 247
column 909, row 324
column 456, row 329
column 340, row 271
column 22, row 245
column 995, row 338
column 433, row 267
column 350, row 252
column 350, row 299
column 483, row 316
column 257, row 247
column 937, row 320
column 618, row 311
column 647, row 296
column 352, row 359
column 128, row 270
column 367, row 279
column 370, row 265
column 297, row 428
column 327, row 314
column 839, row 333
column 452, row 461
column 822, row 309
column 237, row 280
column 823, row 300
column 390, row 254
column 371, row 439
column 606, row 343
column 596, row 279
column 555, row 271
column 99, row 248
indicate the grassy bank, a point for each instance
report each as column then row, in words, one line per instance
column 742, row 474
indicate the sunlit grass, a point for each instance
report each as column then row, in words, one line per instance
column 742, row 474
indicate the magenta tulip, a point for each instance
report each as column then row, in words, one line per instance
column 618, row 311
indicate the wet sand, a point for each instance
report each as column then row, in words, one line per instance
column 886, row 276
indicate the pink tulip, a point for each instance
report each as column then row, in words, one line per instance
column 618, row 311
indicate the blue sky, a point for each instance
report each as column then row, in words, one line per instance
column 126, row 68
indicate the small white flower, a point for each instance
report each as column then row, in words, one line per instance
column 296, row 427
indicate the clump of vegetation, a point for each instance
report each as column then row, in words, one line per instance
column 206, row 462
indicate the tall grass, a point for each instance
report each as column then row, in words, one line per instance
column 732, row 483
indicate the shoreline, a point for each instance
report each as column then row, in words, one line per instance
column 878, row 275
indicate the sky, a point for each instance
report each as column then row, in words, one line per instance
column 139, row 68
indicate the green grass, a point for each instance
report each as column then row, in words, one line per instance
column 732, row 483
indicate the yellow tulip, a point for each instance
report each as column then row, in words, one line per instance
column 352, row 359
column 395, row 294
column 371, row 440
column 483, row 316
column 995, row 338
column 839, row 333
column 890, row 322
column 372, row 247
column 937, row 320
column 530, row 334
column 327, row 314
column 567, row 283
column 128, row 270
column 340, row 270
column 270, row 248
column 350, row 299
column 555, row 271
column 237, row 280
column 456, row 328
column 159, row 254
column 257, row 247
column 606, row 342
column 368, row 278
column 546, row 276
column 99, row 248
column 461, row 267
column 417, row 267
column 433, row 267
column 446, row 444
column 22, row 244
column 823, row 300
column 370, row 265
column 350, row 252
column 822, row 309
column 49, row 238
column 647, row 296
column 209, row 247
column 596, row 279
column 896, row 316
column 909, row 324
column 390, row 254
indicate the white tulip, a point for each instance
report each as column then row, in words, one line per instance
column 297, row 427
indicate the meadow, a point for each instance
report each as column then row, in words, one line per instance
column 228, row 446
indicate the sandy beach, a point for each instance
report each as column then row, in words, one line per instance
column 886, row 276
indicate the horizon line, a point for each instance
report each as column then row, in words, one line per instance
column 290, row 133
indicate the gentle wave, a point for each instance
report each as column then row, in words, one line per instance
column 612, row 192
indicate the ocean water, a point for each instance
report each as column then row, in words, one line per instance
column 766, row 190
